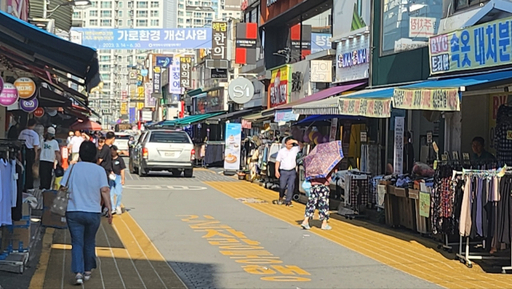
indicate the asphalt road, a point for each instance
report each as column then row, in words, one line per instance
column 214, row 241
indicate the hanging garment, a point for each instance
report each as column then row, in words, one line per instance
column 465, row 214
column 5, row 191
column 17, row 211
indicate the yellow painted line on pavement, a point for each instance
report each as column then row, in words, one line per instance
column 401, row 251
column 37, row 280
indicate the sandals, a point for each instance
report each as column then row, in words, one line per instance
column 305, row 226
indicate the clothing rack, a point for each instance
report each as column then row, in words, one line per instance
column 466, row 256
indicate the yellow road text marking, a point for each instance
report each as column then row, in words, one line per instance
column 234, row 244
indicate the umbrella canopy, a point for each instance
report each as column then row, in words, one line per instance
column 86, row 125
column 323, row 159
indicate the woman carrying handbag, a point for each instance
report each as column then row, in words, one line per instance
column 87, row 185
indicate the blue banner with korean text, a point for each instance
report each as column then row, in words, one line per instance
column 176, row 38
column 483, row 45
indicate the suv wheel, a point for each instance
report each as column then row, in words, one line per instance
column 188, row 173
column 176, row 172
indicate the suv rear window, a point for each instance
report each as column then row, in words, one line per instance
column 169, row 137
column 122, row 136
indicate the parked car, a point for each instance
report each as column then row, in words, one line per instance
column 122, row 143
column 163, row 150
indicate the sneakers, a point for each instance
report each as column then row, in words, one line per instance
column 79, row 279
column 87, row 276
column 289, row 204
column 118, row 211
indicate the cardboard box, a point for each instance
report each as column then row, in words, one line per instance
column 16, row 235
column 26, row 211
column 401, row 192
column 414, row 194
column 54, row 221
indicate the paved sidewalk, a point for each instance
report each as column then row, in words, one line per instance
column 126, row 259
column 403, row 251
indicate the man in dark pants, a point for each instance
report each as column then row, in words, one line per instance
column 31, row 146
column 105, row 160
column 286, row 172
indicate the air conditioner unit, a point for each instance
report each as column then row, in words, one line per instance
column 45, row 24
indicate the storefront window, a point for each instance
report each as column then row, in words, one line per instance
column 407, row 25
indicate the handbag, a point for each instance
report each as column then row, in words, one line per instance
column 306, row 186
column 60, row 203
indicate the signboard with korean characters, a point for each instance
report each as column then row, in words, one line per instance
column 219, row 40
column 174, row 77
column 185, row 71
column 280, row 88
column 26, row 87
column 176, row 38
column 232, row 146
column 9, row 94
column 157, row 81
column 474, row 47
column 440, row 99
column 321, row 71
column 353, row 59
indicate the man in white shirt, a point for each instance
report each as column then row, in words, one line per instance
column 31, row 147
column 50, row 153
column 74, row 146
column 286, row 163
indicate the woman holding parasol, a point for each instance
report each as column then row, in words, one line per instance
column 320, row 164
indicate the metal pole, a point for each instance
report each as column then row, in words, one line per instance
column 45, row 9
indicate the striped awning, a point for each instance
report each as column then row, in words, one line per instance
column 325, row 106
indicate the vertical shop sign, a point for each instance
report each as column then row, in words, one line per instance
column 174, row 77
column 246, row 41
column 132, row 116
column 219, row 40
column 157, row 81
column 398, row 160
column 149, row 100
column 333, row 130
column 124, row 108
column 232, row 147
column 279, row 90
column 185, row 70
column 300, row 39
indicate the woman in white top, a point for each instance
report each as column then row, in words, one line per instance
column 50, row 153
column 88, row 185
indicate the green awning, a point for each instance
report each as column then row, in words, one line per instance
column 195, row 118
column 194, row 92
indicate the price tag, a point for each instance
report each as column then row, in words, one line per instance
column 364, row 136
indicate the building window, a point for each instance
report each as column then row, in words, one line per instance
column 120, row 13
column 462, row 4
column 120, row 4
column 130, row 4
column 106, row 14
column 142, row 23
column 142, row 14
column 406, row 26
column 155, row 4
column 94, row 3
column 155, row 22
column 154, row 13
column 77, row 15
column 106, row 22
column 104, row 58
column 93, row 13
column 181, row 6
column 93, row 22
column 180, row 20
column 180, row 13
column 130, row 22
column 106, row 4
column 120, row 22
column 142, row 4
column 105, row 76
column 105, row 67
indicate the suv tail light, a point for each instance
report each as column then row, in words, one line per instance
column 145, row 153
column 192, row 154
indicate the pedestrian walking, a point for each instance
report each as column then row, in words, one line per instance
column 74, row 146
column 87, row 187
column 320, row 164
column 318, row 198
column 286, row 172
column 31, row 151
column 50, row 154
column 117, row 176
column 105, row 161
column 70, row 136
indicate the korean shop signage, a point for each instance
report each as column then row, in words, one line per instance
column 185, row 71
column 484, row 45
column 376, row 108
column 440, row 99
column 219, row 40
column 157, row 75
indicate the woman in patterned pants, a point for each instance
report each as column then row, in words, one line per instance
column 318, row 198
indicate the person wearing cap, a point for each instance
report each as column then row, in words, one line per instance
column 50, row 155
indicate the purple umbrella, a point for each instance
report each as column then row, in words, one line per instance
column 323, row 159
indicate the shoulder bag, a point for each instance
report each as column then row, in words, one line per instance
column 60, row 203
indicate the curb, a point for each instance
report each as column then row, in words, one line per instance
column 37, row 280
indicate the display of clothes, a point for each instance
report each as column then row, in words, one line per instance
column 503, row 135
column 10, row 192
column 444, row 202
